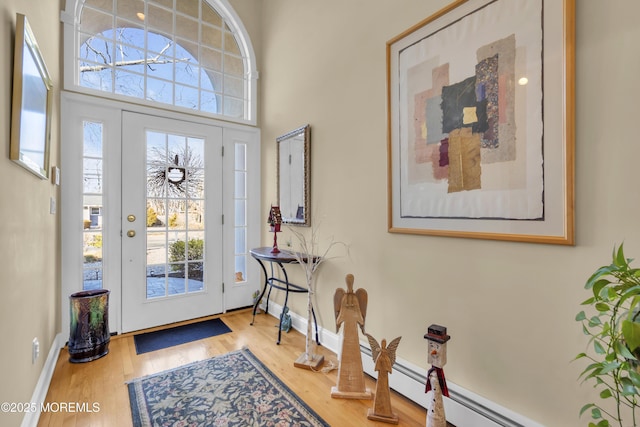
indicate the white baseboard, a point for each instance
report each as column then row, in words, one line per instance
column 462, row 408
column 42, row 386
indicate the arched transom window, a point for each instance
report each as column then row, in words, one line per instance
column 184, row 53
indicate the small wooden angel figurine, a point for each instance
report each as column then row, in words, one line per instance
column 350, row 310
column 437, row 356
column 384, row 357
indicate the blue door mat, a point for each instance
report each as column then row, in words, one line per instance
column 156, row 340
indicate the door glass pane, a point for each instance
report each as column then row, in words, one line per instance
column 175, row 214
column 92, row 180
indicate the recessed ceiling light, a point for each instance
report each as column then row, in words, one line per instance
column 140, row 16
column 523, row 81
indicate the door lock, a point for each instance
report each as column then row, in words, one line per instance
column 131, row 233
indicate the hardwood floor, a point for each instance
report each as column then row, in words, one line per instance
column 103, row 381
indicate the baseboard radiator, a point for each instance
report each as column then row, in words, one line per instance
column 463, row 408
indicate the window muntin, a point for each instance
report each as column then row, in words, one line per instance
column 182, row 53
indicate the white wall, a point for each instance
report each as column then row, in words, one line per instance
column 29, row 235
column 509, row 307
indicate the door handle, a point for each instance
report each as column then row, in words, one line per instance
column 131, row 233
column 131, row 218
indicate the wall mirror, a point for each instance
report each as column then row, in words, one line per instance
column 294, row 161
column 31, row 108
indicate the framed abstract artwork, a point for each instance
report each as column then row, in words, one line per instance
column 31, row 103
column 481, row 122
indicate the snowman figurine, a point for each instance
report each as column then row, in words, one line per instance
column 437, row 338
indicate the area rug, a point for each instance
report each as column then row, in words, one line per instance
column 156, row 340
column 234, row 389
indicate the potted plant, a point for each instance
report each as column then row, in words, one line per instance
column 612, row 324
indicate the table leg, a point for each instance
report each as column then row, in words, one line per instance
column 286, row 300
column 269, row 282
column 264, row 288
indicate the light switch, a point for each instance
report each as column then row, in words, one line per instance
column 55, row 175
column 52, row 205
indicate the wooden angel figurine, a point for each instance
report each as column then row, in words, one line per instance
column 384, row 357
column 350, row 310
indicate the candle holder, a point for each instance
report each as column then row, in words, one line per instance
column 275, row 223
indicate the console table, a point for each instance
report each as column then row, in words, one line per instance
column 263, row 256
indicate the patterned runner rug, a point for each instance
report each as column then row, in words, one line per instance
column 234, row 389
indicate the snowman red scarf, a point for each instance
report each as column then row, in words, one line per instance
column 443, row 383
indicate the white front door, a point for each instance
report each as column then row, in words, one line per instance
column 172, row 210
column 111, row 162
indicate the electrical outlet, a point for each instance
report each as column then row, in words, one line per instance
column 52, row 205
column 35, row 350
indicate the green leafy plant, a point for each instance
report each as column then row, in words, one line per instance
column 89, row 258
column 613, row 328
column 194, row 255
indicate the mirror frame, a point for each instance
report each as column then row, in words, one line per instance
column 32, row 93
column 306, row 132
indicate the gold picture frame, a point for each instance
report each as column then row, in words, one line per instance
column 31, row 103
column 474, row 149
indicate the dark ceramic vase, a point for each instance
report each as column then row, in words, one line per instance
column 89, row 330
